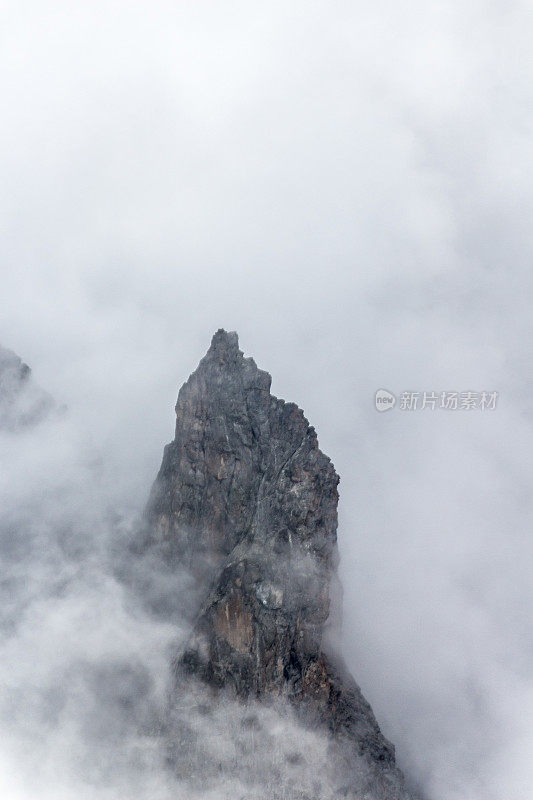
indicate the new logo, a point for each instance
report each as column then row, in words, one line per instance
column 384, row 400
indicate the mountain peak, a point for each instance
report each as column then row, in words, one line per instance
column 22, row 402
column 224, row 342
column 246, row 503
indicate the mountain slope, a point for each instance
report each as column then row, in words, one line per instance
column 22, row 403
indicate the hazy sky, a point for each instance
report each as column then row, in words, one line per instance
column 347, row 185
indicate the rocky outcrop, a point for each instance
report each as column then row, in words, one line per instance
column 246, row 501
column 22, row 403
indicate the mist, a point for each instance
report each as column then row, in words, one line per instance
column 347, row 186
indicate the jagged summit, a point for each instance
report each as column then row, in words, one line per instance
column 224, row 350
column 224, row 356
column 225, row 362
column 224, row 342
column 246, row 502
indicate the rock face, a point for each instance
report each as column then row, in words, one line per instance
column 22, row 403
column 246, row 501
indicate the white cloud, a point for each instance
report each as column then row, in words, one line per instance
column 348, row 187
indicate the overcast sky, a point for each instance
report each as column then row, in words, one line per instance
column 347, row 185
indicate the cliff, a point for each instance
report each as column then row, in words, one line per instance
column 246, row 502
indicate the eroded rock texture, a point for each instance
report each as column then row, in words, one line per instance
column 247, row 502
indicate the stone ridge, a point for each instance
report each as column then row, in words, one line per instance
column 246, row 501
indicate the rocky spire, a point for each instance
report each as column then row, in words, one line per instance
column 247, row 502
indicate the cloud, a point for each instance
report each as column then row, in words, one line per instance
column 346, row 186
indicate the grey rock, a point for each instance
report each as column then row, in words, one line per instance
column 246, row 501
